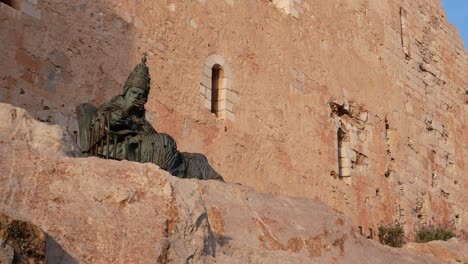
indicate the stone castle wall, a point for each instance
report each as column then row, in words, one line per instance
column 360, row 104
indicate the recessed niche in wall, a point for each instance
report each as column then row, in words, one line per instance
column 352, row 136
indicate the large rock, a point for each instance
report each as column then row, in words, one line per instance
column 6, row 253
column 398, row 70
column 451, row 251
column 103, row 211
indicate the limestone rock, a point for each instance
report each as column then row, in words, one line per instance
column 451, row 251
column 20, row 130
column 103, row 211
column 401, row 61
column 6, row 253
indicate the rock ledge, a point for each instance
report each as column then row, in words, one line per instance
column 102, row 211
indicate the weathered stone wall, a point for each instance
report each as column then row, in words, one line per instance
column 393, row 75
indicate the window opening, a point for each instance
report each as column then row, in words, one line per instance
column 371, row 234
column 216, row 88
column 216, row 76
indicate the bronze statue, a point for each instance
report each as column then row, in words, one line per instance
column 119, row 130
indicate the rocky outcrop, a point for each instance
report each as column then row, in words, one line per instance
column 6, row 253
column 397, row 68
column 447, row 251
column 92, row 210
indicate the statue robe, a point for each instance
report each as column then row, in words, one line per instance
column 158, row 148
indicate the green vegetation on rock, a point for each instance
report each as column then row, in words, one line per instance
column 391, row 235
column 429, row 233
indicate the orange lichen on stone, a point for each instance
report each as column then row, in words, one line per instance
column 267, row 238
column 314, row 246
column 173, row 216
column 216, row 220
column 295, row 244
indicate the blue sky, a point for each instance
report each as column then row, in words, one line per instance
column 457, row 14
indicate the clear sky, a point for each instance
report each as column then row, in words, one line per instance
column 457, row 14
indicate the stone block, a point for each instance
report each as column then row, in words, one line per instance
column 344, row 152
column 345, row 162
column 345, row 172
column 215, row 59
column 222, row 94
column 207, row 104
column 230, row 116
column 227, row 71
column 222, row 105
column 229, row 106
column 207, row 71
column 202, row 90
column 206, row 81
column 232, row 96
column 226, row 83
column 221, row 114
column 208, row 94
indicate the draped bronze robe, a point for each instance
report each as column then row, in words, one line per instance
column 158, row 148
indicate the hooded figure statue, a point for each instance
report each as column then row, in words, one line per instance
column 133, row 138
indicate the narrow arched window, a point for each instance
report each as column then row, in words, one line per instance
column 216, row 88
column 217, row 77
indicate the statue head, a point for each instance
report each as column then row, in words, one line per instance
column 139, row 77
column 137, row 85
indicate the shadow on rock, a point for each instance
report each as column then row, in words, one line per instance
column 221, row 239
column 56, row 254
